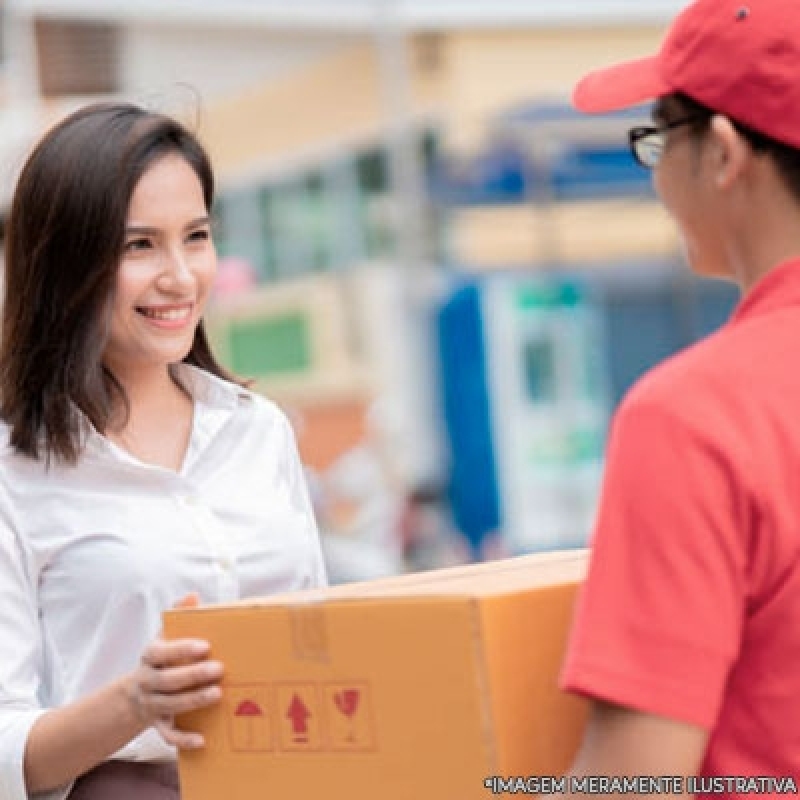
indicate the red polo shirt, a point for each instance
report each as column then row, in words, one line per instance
column 692, row 605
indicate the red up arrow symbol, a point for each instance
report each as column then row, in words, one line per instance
column 298, row 713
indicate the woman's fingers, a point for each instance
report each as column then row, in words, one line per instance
column 162, row 653
column 176, row 677
column 191, row 600
column 167, row 705
column 180, row 679
column 183, row 740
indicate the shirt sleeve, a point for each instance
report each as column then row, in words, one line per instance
column 20, row 662
column 659, row 620
column 301, row 500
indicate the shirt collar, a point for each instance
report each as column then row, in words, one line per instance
column 209, row 390
column 215, row 400
column 778, row 289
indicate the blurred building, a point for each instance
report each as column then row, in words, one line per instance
column 376, row 160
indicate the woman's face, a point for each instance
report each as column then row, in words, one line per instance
column 165, row 273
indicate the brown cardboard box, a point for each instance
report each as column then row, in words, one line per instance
column 408, row 688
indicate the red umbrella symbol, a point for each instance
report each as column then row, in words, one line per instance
column 250, row 711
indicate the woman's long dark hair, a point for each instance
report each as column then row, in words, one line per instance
column 65, row 237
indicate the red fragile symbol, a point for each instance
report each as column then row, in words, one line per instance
column 298, row 713
column 347, row 702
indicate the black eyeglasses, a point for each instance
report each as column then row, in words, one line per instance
column 647, row 143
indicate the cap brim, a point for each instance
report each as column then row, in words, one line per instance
column 620, row 86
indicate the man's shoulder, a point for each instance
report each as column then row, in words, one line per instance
column 710, row 371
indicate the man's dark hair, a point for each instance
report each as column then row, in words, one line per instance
column 786, row 157
column 65, row 238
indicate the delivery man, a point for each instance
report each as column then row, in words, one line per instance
column 687, row 632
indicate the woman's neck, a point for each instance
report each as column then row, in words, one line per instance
column 157, row 427
column 153, row 393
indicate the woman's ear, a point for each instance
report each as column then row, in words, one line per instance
column 729, row 152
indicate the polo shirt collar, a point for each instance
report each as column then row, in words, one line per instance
column 778, row 289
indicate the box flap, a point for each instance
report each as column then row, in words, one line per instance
column 501, row 577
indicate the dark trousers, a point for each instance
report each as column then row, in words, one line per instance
column 126, row 780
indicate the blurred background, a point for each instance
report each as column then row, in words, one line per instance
column 446, row 277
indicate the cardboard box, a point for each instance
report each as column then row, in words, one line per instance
column 407, row 688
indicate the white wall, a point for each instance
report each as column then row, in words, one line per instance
column 362, row 14
column 158, row 60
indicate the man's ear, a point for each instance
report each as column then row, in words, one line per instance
column 729, row 152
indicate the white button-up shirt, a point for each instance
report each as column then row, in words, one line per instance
column 91, row 555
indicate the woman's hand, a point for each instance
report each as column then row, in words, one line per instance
column 174, row 677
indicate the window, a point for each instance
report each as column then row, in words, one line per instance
column 76, row 57
column 330, row 216
column 539, row 370
column 372, row 174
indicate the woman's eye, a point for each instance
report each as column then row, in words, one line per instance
column 199, row 236
column 137, row 244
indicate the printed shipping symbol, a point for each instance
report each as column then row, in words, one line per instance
column 249, row 724
column 349, row 716
column 299, row 717
column 249, row 711
column 249, row 727
column 347, row 702
column 298, row 714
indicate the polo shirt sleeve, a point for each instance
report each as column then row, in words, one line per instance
column 659, row 619
column 19, row 663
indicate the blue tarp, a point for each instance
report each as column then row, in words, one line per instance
column 579, row 168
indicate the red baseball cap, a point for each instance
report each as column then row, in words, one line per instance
column 738, row 57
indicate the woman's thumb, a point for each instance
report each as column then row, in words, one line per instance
column 191, row 600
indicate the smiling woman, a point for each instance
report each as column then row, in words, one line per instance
column 134, row 471
column 163, row 282
column 104, row 188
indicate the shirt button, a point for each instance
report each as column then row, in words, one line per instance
column 225, row 563
column 191, row 500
